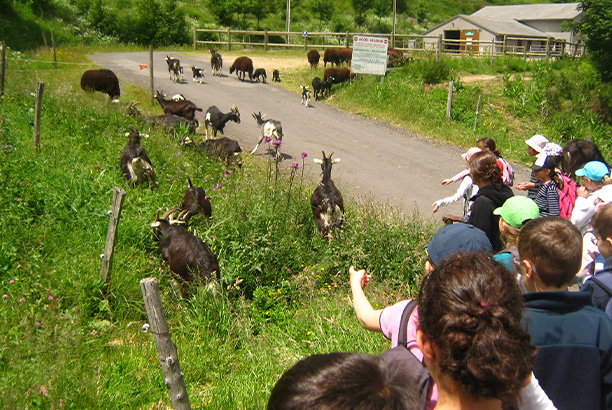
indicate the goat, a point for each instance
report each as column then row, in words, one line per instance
column 331, row 56
column 168, row 121
column 134, row 162
column 326, row 86
column 326, row 201
column 276, row 76
column 223, row 148
column 216, row 62
column 260, row 73
column 242, row 66
column 338, row 75
column 345, row 55
column 576, row 153
column 305, row 95
column 317, row 86
column 178, row 97
column 195, row 202
column 190, row 259
column 184, row 108
column 198, row 74
column 174, row 69
column 313, row 58
column 216, row 120
column 269, row 128
column 102, row 80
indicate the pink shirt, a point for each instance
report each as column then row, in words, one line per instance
column 389, row 324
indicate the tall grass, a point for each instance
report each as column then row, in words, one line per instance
column 69, row 341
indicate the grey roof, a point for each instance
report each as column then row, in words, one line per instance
column 525, row 12
column 498, row 27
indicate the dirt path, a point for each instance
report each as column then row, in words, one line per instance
column 379, row 161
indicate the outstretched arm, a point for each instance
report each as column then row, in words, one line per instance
column 367, row 316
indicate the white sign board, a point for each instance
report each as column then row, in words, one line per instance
column 369, row 55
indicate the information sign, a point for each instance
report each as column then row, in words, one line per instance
column 369, row 55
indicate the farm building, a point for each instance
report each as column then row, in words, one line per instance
column 525, row 28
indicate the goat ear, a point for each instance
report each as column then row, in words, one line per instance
column 155, row 224
column 335, row 160
column 317, row 161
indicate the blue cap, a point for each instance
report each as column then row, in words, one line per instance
column 594, row 170
column 460, row 237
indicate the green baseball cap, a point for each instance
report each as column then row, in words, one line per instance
column 518, row 210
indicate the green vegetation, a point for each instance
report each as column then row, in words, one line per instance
column 70, row 342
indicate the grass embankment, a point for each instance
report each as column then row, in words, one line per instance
column 70, row 342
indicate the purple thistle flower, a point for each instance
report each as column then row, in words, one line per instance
column 276, row 144
column 267, row 139
column 12, row 281
column 50, row 297
column 22, row 299
column 207, row 198
column 218, row 186
column 37, row 324
column 5, row 296
column 304, row 155
column 295, row 165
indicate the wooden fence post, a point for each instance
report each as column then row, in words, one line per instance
column 449, row 102
column 54, row 48
column 229, row 40
column 45, row 40
column 195, row 38
column 347, row 39
column 477, row 112
column 547, row 48
column 151, row 79
column 2, row 66
column 40, row 88
column 306, row 43
column 265, row 40
column 439, row 48
column 220, row 39
column 505, row 44
column 168, row 355
column 111, row 236
column 492, row 51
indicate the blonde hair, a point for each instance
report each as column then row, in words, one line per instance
column 508, row 233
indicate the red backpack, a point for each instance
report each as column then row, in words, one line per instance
column 567, row 197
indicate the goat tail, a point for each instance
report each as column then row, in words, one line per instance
column 190, row 184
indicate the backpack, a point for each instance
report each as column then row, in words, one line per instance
column 415, row 370
column 567, row 197
column 604, row 281
column 507, row 172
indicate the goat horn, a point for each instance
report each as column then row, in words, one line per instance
column 323, row 154
column 169, row 212
column 190, row 184
column 330, row 155
column 182, row 214
column 157, row 216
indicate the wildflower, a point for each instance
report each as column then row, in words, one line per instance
column 228, row 172
column 73, row 310
column 218, row 186
column 5, row 296
column 207, row 197
column 22, row 299
column 267, row 139
column 12, row 281
column 295, row 165
column 37, row 324
column 276, row 144
column 50, row 297
column 48, row 290
column 212, row 236
column 304, row 155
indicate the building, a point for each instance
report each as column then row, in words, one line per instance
column 525, row 28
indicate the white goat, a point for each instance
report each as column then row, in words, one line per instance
column 269, row 129
column 305, row 95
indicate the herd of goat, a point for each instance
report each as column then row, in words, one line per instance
column 189, row 258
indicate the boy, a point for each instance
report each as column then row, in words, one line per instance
column 535, row 145
column 574, row 339
column 602, row 227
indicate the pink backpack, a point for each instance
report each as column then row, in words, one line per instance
column 567, row 197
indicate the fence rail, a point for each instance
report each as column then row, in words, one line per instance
column 520, row 46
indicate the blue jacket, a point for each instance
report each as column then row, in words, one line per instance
column 600, row 297
column 574, row 340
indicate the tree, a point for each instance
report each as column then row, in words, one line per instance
column 361, row 7
column 323, row 10
column 595, row 28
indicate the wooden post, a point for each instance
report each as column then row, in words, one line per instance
column 547, row 48
column 575, row 49
column 111, row 236
column 151, row 80
column 54, row 48
column 305, row 43
column 40, row 88
column 449, row 103
column 347, row 39
column 229, row 40
column 45, row 40
column 563, row 45
column 439, row 48
column 505, row 44
column 168, row 356
column 492, row 51
column 265, row 40
column 220, row 38
column 195, row 38
column 477, row 112
column 2, row 66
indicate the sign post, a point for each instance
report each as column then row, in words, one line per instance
column 369, row 55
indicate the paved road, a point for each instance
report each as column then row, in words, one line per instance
column 379, row 161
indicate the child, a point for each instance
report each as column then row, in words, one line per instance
column 595, row 175
column 507, row 173
column 535, row 145
column 574, row 339
column 547, row 198
column 601, row 283
column 466, row 190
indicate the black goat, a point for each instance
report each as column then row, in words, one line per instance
column 170, row 122
column 195, row 202
column 269, row 128
column 134, row 162
column 190, row 259
column 216, row 120
column 242, row 66
column 326, row 87
column 313, row 58
column 576, row 153
column 216, row 62
column 224, row 148
column 317, row 87
column 102, row 80
column 305, row 95
column 174, row 69
column 183, row 108
column 276, row 76
column 326, row 201
column 260, row 74
column 198, row 74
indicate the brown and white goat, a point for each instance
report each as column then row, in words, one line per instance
column 183, row 108
column 326, row 201
column 170, row 122
column 135, row 163
column 216, row 62
column 215, row 120
column 226, row 149
column 195, row 202
column 269, row 129
column 174, row 69
column 191, row 260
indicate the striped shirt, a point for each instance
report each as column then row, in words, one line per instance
column 547, row 199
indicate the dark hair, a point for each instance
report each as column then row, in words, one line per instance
column 602, row 221
column 488, row 144
column 484, row 167
column 554, row 246
column 470, row 306
column 344, row 381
